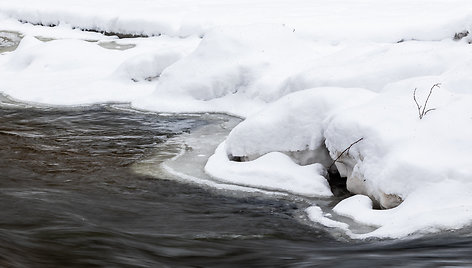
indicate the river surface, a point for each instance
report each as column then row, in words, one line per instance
column 70, row 197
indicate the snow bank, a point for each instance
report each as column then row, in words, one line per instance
column 414, row 168
column 386, row 21
column 254, row 65
column 71, row 71
column 62, row 31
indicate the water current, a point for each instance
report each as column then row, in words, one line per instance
column 70, row 196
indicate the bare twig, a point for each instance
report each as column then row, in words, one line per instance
column 422, row 113
column 345, row 150
column 418, row 106
column 429, row 95
column 429, row 110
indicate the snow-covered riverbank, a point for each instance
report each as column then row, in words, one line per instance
column 314, row 80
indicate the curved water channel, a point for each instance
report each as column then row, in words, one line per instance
column 86, row 187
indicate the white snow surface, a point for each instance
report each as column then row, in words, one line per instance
column 310, row 77
column 273, row 171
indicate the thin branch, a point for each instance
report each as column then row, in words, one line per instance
column 429, row 95
column 418, row 106
column 429, row 110
column 345, row 150
column 423, row 112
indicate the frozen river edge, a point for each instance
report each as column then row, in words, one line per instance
column 188, row 166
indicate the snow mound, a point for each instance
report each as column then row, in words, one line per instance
column 273, row 171
column 146, row 66
column 293, row 125
column 247, row 60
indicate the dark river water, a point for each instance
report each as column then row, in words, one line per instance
column 69, row 198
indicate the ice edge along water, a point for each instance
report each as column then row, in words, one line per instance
column 273, row 72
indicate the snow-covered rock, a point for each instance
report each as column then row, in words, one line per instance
column 293, row 125
column 399, row 152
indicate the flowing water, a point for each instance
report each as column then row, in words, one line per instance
column 70, row 197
